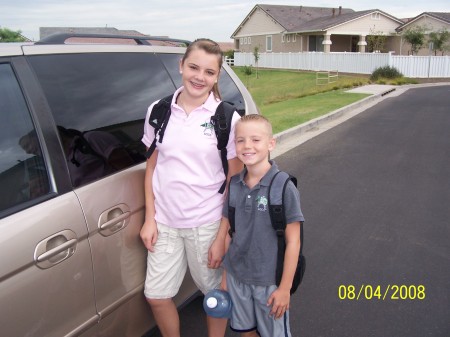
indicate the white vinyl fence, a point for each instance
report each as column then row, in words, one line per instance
column 358, row 63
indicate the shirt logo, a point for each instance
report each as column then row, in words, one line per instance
column 207, row 128
column 261, row 202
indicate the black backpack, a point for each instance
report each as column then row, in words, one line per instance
column 277, row 188
column 159, row 117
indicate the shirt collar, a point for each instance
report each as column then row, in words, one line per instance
column 265, row 181
column 210, row 104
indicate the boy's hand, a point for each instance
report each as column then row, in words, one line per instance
column 279, row 300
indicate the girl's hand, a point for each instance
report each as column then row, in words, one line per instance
column 279, row 300
column 149, row 234
column 216, row 253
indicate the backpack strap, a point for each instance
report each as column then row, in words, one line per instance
column 276, row 193
column 232, row 195
column 277, row 188
column 276, row 197
column 158, row 120
column 222, row 127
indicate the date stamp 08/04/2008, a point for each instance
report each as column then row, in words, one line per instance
column 382, row 293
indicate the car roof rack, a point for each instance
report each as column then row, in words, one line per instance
column 60, row 38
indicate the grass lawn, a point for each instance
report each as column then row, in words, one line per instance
column 289, row 98
column 289, row 113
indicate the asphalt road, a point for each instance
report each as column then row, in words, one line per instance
column 376, row 197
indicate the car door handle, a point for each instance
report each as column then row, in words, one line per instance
column 55, row 249
column 114, row 219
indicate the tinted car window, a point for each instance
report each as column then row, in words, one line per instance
column 227, row 87
column 99, row 102
column 23, row 175
column 172, row 64
column 231, row 93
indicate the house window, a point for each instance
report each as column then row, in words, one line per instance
column 288, row 38
column 245, row 40
column 294, row 38
column 241, row 40
column 283, row 38
column 249, row 40
column 268, row 43
column 375, row 16
column 315, row 43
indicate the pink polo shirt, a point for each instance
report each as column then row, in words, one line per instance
column 189, row 172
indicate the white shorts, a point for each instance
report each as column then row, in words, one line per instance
column 175, row 249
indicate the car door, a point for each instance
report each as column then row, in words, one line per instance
column 46, row 272
column 100, row 100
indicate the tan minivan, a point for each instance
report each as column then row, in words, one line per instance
column 71, row 178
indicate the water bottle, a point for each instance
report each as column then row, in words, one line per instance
column 217, row 303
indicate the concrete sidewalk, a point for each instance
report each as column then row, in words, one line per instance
column 374, row 89
column 295, row 136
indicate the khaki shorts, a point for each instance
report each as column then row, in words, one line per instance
column 175, row 249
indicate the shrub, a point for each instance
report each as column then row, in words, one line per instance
column 385, row 72
column 229, row 53
column 248, row 70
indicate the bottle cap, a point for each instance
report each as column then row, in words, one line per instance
column 217, row 303
column 211, row 302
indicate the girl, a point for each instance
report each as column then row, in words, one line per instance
column 182, row 179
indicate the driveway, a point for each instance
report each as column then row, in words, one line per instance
column 376, row 196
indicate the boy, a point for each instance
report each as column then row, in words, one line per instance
column 250, row 262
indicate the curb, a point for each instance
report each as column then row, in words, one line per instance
column 314, row 123
column 286, row 135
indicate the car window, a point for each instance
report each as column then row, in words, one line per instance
column 230, row 92
column 172, row 64
column 227, row 87
column 99, row 102
column 23, row 174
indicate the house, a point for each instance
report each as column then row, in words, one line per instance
column 430, row 22
column 226, row 46
column 275, row 28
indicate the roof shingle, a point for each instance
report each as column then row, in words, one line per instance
column 294, row 16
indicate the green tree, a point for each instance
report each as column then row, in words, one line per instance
column 8, row 35
column 229, row 53
column 376, row 40
column 439, row 40
column 415, row 36
column 256, row 57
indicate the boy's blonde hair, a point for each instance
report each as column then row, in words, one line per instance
column 257, row 118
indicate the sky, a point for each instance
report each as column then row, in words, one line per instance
column 214, row 19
